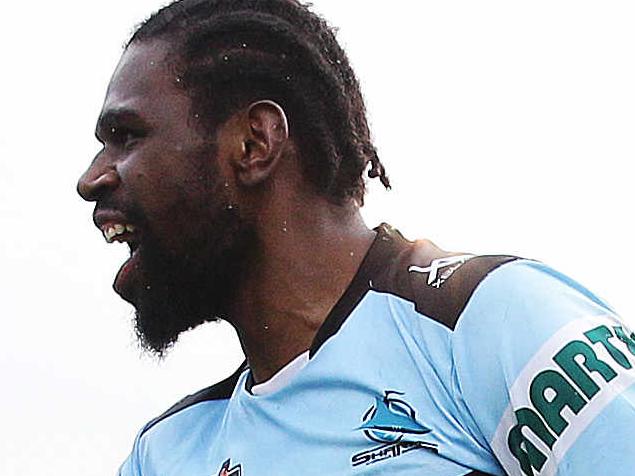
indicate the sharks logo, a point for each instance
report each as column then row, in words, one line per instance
column 390, row 419
column 392, row 422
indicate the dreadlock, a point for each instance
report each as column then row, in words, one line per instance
column 234, row 52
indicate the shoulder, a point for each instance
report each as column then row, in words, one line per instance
column 161, row 441
column 519, row 317
column 454, row 287
column 200, row 412
column 521, row 312
column 439, row 283
column 217, row 393
column 532, row 296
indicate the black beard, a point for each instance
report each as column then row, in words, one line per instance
column 180, row 292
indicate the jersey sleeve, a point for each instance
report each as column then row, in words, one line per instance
column 132, row 465
column 545, row 372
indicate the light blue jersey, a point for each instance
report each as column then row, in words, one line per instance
column 430, row 364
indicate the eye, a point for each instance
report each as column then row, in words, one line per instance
column 124, row 137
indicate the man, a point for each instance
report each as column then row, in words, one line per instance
column 235, row 144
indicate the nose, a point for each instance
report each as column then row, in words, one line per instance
column 100, row 178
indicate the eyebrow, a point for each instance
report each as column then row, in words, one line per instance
column 113, row 118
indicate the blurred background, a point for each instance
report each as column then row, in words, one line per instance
column 505, row 127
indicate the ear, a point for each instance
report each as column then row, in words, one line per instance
column 264, row 143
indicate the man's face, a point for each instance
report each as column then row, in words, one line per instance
column 158, row 187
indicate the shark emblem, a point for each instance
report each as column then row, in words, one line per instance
column 389, row 419
column 391, row 422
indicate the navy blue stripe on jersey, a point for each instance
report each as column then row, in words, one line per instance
column 219, row 391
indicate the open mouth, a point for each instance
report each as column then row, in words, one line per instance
column 129, row 234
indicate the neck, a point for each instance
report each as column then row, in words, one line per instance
column 305, row 263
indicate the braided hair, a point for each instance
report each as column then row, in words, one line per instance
column 234, row 52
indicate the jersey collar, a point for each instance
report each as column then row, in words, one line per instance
column 387, row 243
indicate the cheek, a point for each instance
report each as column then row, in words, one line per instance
column 178, row 189
column 183, row 208
column 174, row 200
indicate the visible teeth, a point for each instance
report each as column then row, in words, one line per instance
column 109, row 233
column 117, row 229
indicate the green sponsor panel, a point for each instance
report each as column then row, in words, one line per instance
column 527, row 454
column 601, row 335
column 565, row 396
column 551, row 391
column 565, row 358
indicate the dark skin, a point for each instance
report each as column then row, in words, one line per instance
column 308, row 248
